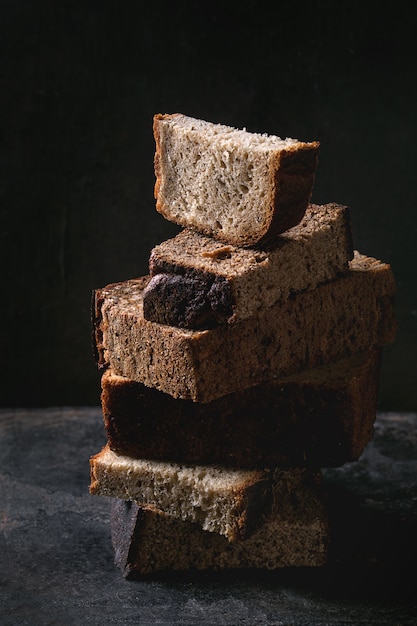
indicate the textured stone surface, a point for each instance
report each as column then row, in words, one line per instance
column 56, row 559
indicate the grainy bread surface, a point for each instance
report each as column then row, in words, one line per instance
column 236, row 186
column 198, row 282
column 226, row 501
column 335, row 320
column 319, row 418
column 295, row 534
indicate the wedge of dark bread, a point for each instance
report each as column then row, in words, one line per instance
column 335, row 320
column 295, row 534
column 236, row 186
column 198, row 282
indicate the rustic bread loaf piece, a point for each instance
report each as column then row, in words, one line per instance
column 236, row 186
column 197, row 282
column 337, row 319
column 321, row 418
column 295, row 534
column 222, row 500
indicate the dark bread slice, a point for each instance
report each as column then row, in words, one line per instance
column 295, row 534
column 321, row 418
column 335, row 320
column 198, row 283
column 235, row 186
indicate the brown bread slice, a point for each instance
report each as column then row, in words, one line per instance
column 227, row 501
column 198, row 282
column 236, row 186
column 337, row 319
column 295, row 534
column 321, row 418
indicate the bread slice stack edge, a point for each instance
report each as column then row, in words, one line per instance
column 246, row 361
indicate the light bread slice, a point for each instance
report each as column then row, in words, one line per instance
column 222, row 500
column 236, row 186
column 335, row 320
column 198, row 282
column 295, row 534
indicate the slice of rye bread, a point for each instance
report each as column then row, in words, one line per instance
column 197, row 282
column 227, row 501
column 319, row 418
column 295, row 534
column 236, row 186
column 337, row 319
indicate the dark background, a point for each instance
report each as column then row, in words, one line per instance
column 80, row 84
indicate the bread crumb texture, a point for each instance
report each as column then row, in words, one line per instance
column 228, row 183
column 219, row 499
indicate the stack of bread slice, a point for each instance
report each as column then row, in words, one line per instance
column 247, row 360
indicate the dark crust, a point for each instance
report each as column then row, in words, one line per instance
column 97, row 300
column 315, row 423
column 387, row 326
column 294, row 179
column 186, row 298
column 256, row 505
column 126, row 518
column 348, row 230
column 305, row 161
column 156, row 161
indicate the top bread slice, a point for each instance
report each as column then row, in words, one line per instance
column 350, row 314
column 198, row 282
column 233, row 185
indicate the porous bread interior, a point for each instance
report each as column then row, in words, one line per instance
column 238, row 136
column 229, row 173
column 169, row 544
column 208, row 495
